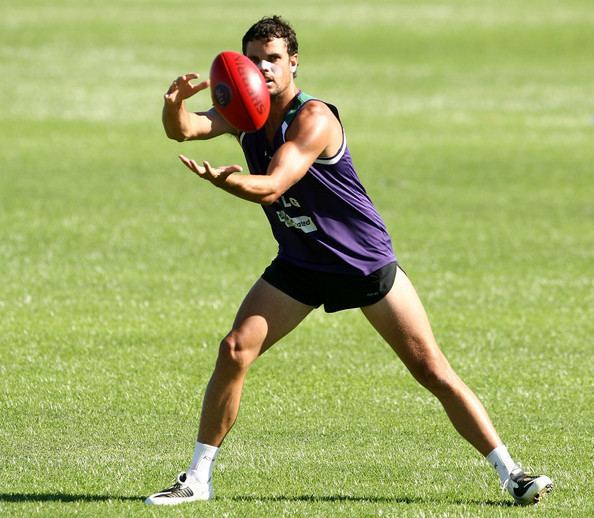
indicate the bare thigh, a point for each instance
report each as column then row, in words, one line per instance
column 264, row 317
column 401, row 320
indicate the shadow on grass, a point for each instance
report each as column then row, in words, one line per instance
column 368, row 499
column 66, row 498
column 62, row 497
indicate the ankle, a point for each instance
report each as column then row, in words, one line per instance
column 202, row 464
column 501, row 460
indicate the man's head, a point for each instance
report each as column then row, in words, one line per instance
column 268, row 29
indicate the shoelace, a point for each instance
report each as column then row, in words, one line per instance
column 524, row 473
column 507, row 481
column 178, row 483
column 505, row 484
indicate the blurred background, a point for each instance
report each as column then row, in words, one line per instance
column 471, row 125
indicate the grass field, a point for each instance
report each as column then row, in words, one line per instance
column 472, row 127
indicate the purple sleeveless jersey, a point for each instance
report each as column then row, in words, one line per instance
column 326, row 221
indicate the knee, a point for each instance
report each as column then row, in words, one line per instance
column 233, row 352
column 436, row 375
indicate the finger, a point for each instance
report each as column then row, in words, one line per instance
column 186, row 161
column 227, row 169
column 191, row 165
column 209, row 169
column 200, row 86
column 186, row 78
column 172, row 88
column 214, row 171
column 235, row 168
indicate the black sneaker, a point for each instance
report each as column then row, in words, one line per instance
column 182, row 491
column 527, row 489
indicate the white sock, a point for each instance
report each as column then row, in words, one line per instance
column 501, row 460
column 200, row 469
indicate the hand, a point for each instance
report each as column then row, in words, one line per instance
column 182, row 88
column 215, row 175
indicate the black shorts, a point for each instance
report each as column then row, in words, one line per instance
column 335, row 291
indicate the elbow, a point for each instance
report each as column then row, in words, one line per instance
column 270, row 197
column 266, row 203
column 275, row 189
column 179, row 137
column 267, row 200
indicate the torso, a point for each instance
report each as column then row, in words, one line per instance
column 325, row 221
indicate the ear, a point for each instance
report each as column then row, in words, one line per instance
column 293, row 61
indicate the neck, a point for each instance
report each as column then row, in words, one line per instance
column 279, row 105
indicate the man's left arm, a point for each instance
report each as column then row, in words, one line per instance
column 307, row 138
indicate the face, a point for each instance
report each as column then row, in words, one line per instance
column 273, row 60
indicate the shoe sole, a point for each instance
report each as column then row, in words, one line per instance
column 161, row 499
column 543, row 492
column 175, row 501
column 537, row 497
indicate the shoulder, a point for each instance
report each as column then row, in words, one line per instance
column 315, row 108
column 313, row 116
column 317, row 127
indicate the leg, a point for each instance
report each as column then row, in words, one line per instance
column 401, row 320
column 265, row 316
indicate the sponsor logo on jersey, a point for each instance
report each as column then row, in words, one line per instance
column 303, row 223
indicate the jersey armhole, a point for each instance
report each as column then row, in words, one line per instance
column 337, row 156
column 301, row 99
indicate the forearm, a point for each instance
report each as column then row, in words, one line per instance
column 176, row 121
column 262, row 189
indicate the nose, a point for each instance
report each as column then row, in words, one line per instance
column 265, row 66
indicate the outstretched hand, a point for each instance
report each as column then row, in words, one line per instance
column 215, row 175
column 182, row 88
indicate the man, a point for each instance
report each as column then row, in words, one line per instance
column 334, row 250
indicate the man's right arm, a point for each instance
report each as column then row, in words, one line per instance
column 181, row 124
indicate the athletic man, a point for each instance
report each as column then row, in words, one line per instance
column 334, row 250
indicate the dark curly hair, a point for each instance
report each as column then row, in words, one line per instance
column 271, row 27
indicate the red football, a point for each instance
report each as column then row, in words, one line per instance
column 238, row 91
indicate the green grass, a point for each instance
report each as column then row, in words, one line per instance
column 471, row 124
